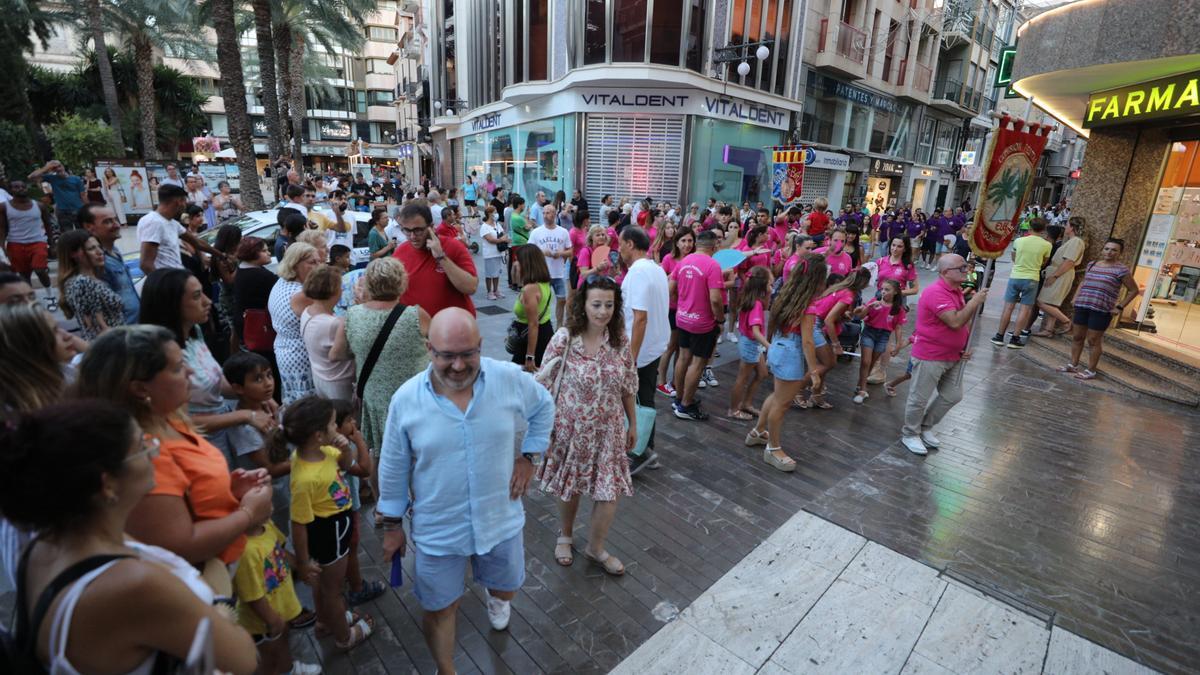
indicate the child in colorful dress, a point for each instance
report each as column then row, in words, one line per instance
column 362, row 467
column 266, row 600
column 321, row 512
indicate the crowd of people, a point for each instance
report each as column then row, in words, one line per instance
column 215, row 437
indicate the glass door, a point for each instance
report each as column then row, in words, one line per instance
column 1168, row 262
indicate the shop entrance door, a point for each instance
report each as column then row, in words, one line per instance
column 1168, row 260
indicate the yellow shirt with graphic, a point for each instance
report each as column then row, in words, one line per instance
column 263, row 571
column 319, row 489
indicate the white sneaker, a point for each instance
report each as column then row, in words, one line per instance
column 733, row 338
column 708, row 378
column 720, row 338
column 914, row 445
column 305, row 668
column 499, row 612
column 929, row 439
column 701, row 384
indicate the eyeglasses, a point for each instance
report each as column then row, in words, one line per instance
column 595, row 278
column 415, row 230
column 150, row 448
column 962, row 268
column 451, row 357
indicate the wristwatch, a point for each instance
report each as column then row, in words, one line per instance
column 529, row 456
column 530, row 357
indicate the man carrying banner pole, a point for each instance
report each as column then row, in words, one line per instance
column 945, row 319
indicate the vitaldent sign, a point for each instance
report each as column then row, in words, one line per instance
column 1170, row 97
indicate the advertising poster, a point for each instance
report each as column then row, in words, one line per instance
column 127, row 185
column 1008, row 177
column 787, row 175
column 213, row 173
column 233, row 175
column 157, row 173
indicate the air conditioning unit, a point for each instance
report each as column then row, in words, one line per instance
column 410, row 6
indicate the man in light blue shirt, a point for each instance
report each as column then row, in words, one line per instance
column 535, row 211
column 451, row 439
column 102, row 223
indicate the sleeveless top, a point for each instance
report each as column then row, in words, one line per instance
column 543, row 310
column 24, row 227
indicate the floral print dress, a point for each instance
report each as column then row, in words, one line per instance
column 92, row 300
column 294, row 367
column 587, row 444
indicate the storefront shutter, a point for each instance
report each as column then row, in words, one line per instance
column 634, row 156
column 815, row 184
column 460, row 162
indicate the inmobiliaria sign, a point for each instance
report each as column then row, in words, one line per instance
column 1012, row 159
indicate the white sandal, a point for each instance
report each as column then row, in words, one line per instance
column 359, row 633
column 559, row 543
column 785, row 463
column 756, row 437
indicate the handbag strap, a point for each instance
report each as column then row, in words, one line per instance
column 562, row 367
column 377, row 348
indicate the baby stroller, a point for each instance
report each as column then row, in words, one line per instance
column 851, row 332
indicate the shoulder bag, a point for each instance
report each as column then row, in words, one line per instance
column 258, row 334
column 377, row 349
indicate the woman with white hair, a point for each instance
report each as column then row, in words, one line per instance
column 286, row 303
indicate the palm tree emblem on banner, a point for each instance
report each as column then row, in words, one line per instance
column 1012, row 158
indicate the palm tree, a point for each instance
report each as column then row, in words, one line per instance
column 233, row 90
column 1010, row 186
column 108, row 85
column 266, row 72
column 25, row 23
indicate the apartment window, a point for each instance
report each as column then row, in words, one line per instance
column 759, row 20
column 375, row 97
column 382, row 33
column 383, row 132
column 693, row 48
column 539, row 39
column 595, row 32
column 219, row 125
column 379, row 66
column 629, row 30
column 665, row 30
column 385, row 5
column 517, row 43
column 360, row 98
column 889, row 51
column 449, row 51
column 925, row 140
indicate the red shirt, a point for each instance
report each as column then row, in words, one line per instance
column 817, row 223
column 428, row 285
column 445, row 229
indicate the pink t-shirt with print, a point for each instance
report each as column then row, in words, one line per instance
column 935, row 341
column 754, row 317
column 822, row 306
column 578, row 237
column 694, row 277
column 669, row 265
column 881, row 317
column 839, row 263
column 887, row 270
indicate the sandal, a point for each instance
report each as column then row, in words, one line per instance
column 609, row 562
column 352, row 618
column 889, row 388
column 1043, row 334
column 1061, row 331
column 1069, row 368
column 802, row 402
column 739, row 415
column 1085, row 374
column 359, row 632
column 304, row 619
column 756, row 437
column 751, row 411
column 818, row 401
column 785, row 464
column 564, row 544
column 370, row 591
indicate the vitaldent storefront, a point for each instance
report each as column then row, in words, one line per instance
column 675, row 145
column 1138, row 101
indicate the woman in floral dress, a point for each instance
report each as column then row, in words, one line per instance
column 589, row 368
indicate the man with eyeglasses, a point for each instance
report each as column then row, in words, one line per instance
column 452, row 443
column 939, row 349
column 441, row 272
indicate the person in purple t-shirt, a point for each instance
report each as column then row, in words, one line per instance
column 929, row 245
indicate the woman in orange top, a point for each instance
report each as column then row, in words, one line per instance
column 197, row 509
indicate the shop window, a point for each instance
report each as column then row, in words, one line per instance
column 539, row 39
column 595, row 32
column 219, row 126
column 665, row 32
column 629, row 31
column 818, row 120
column 541, row 168
column 857, row 131
column 380, row 98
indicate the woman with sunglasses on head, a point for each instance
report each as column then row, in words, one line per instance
column 590, row 371
column 195, row 507
column 115, row 605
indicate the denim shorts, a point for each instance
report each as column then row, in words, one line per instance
column 875, row 339
column 819, row 339
column 1022, row 291
column 440, row 578
column 749, row 349
column 785, row 358
column 560, row 287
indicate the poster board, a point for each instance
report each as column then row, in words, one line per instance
column 128, row 186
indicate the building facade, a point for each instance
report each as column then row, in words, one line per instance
column 620, row 97
column 1132, row 88
column 354, row 96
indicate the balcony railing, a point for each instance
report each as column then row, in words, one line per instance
column 850, row 42
column 948, row 89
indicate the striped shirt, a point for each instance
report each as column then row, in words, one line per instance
column 1100, row 287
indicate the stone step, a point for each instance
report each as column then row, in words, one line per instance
column 1177, row 367
column 1117, row 367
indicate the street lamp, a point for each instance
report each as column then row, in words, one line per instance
column 741, row 53
column 449, row 104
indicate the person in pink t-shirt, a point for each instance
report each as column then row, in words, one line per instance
column 839, row 261
column 884, row 324
column 942, row 330
column 829, row 309
column 898, row 266
column 683, row 245
column 697, row 284
column 798, row 244
column 578, row 235
column 755, row 294
column 754, row 245
column 596, row 238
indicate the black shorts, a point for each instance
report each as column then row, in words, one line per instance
column 573, row 275
column 930, row 244
column 1094, row 319
column 671, row 319
column 329, row 537
column 701, row 345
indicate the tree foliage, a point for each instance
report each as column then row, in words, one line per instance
column 79, row 141
column 16, row 149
